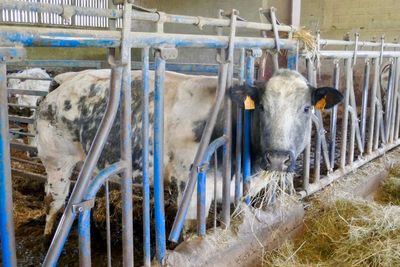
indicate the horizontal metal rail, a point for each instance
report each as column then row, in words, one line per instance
column 14, row 118
column 27, row 92
column 360, row 54
column 21, row 133
column 139, row 15
column 328, row 42
column 49, row 37
column 11, row 77
column 22, row 106
column 23, row 147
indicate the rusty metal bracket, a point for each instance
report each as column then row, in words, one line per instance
column 12, row 54
column 81, row 207
column 167, row 52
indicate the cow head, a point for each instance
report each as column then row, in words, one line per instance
column 280, row 122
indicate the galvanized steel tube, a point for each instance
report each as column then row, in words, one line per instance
column 333, row 119
column 159, row 156
column 375, row 87
column 364, row 103
column 345, row 118
column 145, row 157
column 7, row 237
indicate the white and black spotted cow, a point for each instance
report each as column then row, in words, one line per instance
column 69, row 116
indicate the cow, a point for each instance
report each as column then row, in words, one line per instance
column 68, row 119
column 25, row 100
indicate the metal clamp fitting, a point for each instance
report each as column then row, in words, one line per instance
column 167, row 52
column 203, row 167
column 254, row 52
column 81, row 207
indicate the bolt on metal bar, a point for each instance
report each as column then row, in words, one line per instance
column 7, row 237
column 205, row 140
column 145, row 156
column 126, row 138
column 226, row 206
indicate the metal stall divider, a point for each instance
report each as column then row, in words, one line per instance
column 6, row 204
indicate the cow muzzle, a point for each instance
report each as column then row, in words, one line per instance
column 280, row 160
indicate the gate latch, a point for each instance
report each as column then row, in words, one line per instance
column 81, row 207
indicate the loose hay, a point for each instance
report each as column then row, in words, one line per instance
column 389, row 191
column 348, row 232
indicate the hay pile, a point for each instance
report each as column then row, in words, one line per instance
column 389, row 192
column 346, row 232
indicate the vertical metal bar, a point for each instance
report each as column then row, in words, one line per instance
column 364, row 103
column 126, row 139
column 388, row 103
column 145, row 157
column 307, row 150
column 158, row 155
column 239, row 131
column 108, row 225
column 215, row 190
column 394, row 99
column 354, row 122
column 317, row 156
column 333, row 119
column 84, row 239
column 348, row 66
column 397, row 119
column 7, row 237
column 375, row 86
column 226, row 203
column 201, row 204
column 247, row 130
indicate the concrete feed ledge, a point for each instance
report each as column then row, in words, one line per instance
column 259, row 231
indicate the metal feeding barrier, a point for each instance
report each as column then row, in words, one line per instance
column 378, row 132
column 165, row 47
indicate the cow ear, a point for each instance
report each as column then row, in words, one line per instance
column 245, row 96
column 325, row 97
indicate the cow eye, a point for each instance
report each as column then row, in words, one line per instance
column 307, row 109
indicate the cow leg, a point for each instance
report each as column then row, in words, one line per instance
column 59, row 155
column 57, row 187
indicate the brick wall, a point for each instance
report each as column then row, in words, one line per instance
column 371, row 18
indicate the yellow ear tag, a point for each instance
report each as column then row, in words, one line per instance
column 321, row 103
column 249, row 103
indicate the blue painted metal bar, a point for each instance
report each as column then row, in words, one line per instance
column 145, row 156
column 84, row 239
column 158, row 156
column 52, row 37
column 239, row 131
column 7, row 237
column 84, row 216
column 247, row 130
column 201, row 183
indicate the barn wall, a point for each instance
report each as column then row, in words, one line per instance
column 371, row 18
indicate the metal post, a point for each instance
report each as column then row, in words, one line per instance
column 126, row 138
column 159, row 155
column 226, row 202
column 364, row 103
column 307, row 150
column 8, row 254
column 145, row 156
column 345, row 113
column 396, row 109
column 239, row 131
column 333, row 119
column 375, row 88
column 84, row 239
column 247, row 129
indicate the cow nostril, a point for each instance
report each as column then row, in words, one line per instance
column 287, row 161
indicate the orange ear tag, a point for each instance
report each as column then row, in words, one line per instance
column 321, row 103
column 249, row 103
